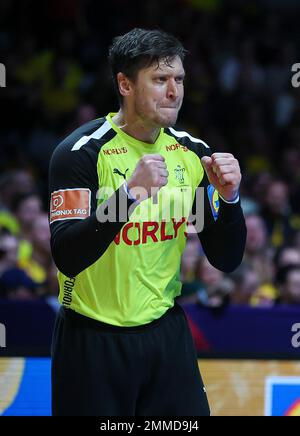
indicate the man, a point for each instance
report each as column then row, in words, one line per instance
column 121, row 346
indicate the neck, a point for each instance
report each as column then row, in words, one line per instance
column 136, row 127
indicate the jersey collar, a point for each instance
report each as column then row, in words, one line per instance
column 130, row 139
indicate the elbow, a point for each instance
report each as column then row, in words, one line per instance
column 225, row 267
column 232, row 261
column 64, row 263
column 229, row 267
column 227, row 264
column 66, row 270
column 228, row 254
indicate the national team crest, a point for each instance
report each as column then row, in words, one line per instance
column 214, row 202
column 179, row 174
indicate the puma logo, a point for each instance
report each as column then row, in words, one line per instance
column 116, row 171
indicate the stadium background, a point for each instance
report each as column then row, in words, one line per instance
column 239, row 97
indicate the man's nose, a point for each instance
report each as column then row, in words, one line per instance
column 172, row 91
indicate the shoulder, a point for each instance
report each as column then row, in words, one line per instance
column 90, row 135
column 196, row 145
column 78, row 152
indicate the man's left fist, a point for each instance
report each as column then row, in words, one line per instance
column 223, row 172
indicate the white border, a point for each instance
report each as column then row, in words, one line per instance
column 65, row 218
column 269, row 383
column 97, row 134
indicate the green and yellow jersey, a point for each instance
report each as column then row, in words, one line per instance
column 126, row 271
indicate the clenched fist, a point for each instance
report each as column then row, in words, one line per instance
column 149, row 176
column 223, row 172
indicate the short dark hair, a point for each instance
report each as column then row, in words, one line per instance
column 139, row 49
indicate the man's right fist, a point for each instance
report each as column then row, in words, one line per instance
column 149, row 176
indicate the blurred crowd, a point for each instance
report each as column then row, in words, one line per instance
column 238, row 98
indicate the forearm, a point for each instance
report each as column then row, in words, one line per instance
column 224, row 241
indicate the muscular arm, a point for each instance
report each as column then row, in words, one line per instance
column 223, row 240
column 78, row 243
column 224, row 235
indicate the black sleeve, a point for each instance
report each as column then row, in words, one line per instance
column 78, row 243
column 223, row 237
column 224, row 240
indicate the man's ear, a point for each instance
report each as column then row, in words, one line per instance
column 124, row 84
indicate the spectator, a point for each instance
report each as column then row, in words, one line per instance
column 38, row 262
column 14, row 282
column 287, row 256
column 216, row 287
column 26, row 207
column 258, row 253
column 288, row 279
column 277, row 213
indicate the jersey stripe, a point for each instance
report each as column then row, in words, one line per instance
column 183, row 134
column 99, row 133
